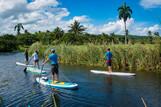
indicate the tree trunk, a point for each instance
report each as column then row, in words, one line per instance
column 125, row 33
column 18, row 32
column 126, row 64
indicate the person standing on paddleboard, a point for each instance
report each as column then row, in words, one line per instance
column 26, row 56
column 108, row 57
column 53, row 58
column 36, row 58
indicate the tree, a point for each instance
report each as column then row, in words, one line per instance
column 149, row 33
column 114, row 39
column 18, row 27
column 124, row 13
column 76, row 28
column 58, row 32
column 156, row 33
column 26, row 32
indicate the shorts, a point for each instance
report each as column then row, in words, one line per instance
column 36, row 60
column 54, row 69
column 108, row 62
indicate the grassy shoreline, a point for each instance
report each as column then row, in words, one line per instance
column 136, row 57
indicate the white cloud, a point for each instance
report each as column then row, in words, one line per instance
column 81, row 19
column 37, row 15
column 7, row 5
column 150, row 3
column 110, row 27
column 118, row 28
column 142, row 30
column 42, row 16
column 39, row 4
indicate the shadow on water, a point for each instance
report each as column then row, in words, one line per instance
column 1, row 101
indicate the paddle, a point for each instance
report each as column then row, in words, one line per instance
column 41, row 71
column 26, row 65
column 42, row 65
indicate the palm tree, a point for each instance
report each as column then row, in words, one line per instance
column 156, row 34
column 149, row 33
column 125, row 13
column 58, row 32
column 76, row 28
column 18, row 27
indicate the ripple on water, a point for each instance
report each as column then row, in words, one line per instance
column 19, row 89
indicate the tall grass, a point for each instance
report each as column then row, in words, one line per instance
column 138, row 57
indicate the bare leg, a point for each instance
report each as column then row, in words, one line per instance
column 34, row 64
column 56, row 77
column 110, row 69
column 38, row 65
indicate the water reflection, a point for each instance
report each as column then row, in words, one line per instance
column 109, row 82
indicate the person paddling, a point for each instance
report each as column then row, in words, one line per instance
column 108, row 57
column 53, row 58
column 35, row 56
column 26, row 56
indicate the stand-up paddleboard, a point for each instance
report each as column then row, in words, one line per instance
column 50, row 83
column 22, row 64
column 35, row 70
column 113, row 73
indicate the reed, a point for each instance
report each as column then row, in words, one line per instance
column 138, row 57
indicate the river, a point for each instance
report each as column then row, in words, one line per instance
column 19, row 89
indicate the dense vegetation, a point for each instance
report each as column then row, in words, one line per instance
column 57, row 36
column 131, row 57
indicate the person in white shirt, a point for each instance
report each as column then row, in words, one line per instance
column 35, row 56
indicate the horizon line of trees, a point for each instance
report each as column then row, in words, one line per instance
column 75, row 36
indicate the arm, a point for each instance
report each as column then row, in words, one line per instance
column 46, row 61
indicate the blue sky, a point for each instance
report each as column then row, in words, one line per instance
column 104, row 10
column 98, row 16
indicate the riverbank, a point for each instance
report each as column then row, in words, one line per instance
column 138, row 57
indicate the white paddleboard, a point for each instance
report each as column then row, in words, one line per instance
column 22, row 64
column 64, row 85
column 35, row 70
column 113, row 73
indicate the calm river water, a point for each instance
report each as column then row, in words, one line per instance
column 19, row 89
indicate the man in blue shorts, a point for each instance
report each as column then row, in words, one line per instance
column 108, row 57
column 53, row 58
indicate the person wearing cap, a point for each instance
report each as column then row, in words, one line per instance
column 53, row 58
column 108, row 57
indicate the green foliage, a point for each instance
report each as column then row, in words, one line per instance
column 8, row 43
column 26, row 39
column 76, row 28
column 138, row 57
column 39, row 47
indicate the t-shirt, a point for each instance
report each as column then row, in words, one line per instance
column 108, row 55
column 35, row 55
column 53, row 58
